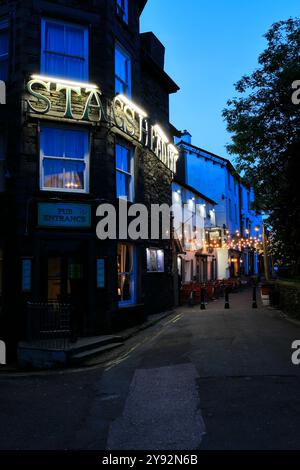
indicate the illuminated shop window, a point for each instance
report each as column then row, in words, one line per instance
column 64, row 51
column 124, row 172
column 155, row 260
column 4, row 49
column 122, row 10
column 122, row 71
column 64, row 158
column 126, row 275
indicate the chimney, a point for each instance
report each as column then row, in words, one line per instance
column 154, row 48
column 185, row 136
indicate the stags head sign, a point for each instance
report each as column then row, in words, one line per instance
column 63, row 99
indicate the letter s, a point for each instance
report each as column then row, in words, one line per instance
column 39, row 96
column 296, row 94
column 296, row 354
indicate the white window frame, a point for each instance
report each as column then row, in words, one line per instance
column 131, row 196
column 44, row 51
column 132, row 301
column 149, row 270
column 4, row 26
column 122, row 9
column 86, row 160
column 127, row 56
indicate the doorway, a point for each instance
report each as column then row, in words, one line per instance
column 65, row 282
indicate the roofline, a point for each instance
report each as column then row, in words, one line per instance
column 142, row 4
column 190, row 188
column 225, row 160
column 171, row 86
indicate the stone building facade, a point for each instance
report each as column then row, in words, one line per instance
column 86, row 123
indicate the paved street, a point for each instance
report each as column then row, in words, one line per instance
column 211, row 379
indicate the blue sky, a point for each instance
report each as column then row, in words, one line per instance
column 209, row 46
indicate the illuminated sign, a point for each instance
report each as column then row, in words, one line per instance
column 64, row 215
column 83, row 102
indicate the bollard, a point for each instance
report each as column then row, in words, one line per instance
column 254, row 301
column 227, row 306
column 202, row 303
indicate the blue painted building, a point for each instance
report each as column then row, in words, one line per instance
column 238, row 225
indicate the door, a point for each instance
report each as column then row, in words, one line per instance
column 66, row 284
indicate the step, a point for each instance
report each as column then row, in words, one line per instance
column 89, row 354
column 87, row 344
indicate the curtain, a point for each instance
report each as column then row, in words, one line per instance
column 69, row 145
column 75, row 143
column 121, row 65
column 69, row 41
column 53, row 174
column 53, row 141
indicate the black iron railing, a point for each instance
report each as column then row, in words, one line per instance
column 49, row 321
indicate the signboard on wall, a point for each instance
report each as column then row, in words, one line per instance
column 67, row 215
column 83, row 102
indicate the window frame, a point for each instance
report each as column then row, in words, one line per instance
column 44, row 52
column 133, row 276
column 5, row 26
column 126, row 54
column 86, row 160
column 131, row 175
column 123, row 13
column 157, row 271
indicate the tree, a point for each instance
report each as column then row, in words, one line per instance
column 265, row 125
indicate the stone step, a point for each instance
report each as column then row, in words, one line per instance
column 87, row 344
column 87, row 355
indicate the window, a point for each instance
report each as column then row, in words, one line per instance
column 122, row 10
column 4, row 49
column 122, row 71
column 64, row 158
column 235, row 214
column 155, row 260
column 126, row 274
column 124, row 172
column 64, row 50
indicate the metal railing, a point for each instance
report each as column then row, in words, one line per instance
column 49, row 323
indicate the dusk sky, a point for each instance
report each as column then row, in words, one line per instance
column 209, row 46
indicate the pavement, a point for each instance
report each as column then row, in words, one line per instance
column 213, row 379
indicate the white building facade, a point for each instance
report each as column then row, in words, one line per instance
column 194, row 216
column 236, row 235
